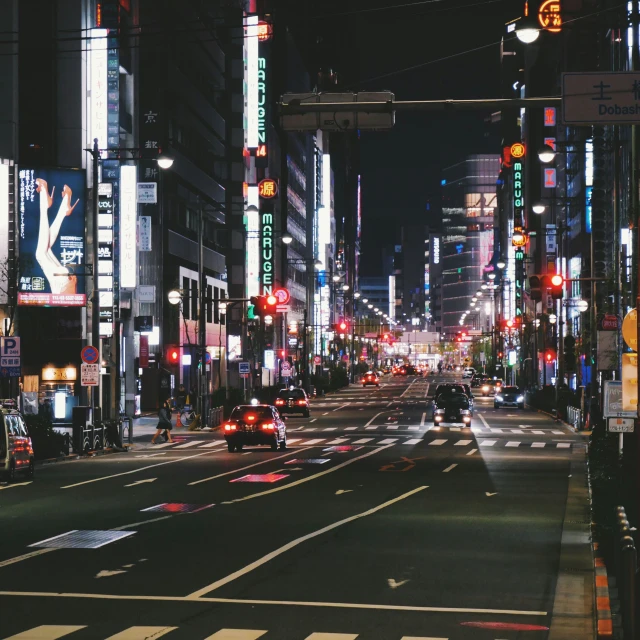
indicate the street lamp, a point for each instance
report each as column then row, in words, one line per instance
column 483, row 286
column 287, row 238
column 370, row 306
column 174, row 297
column 345, row 287
column 356, row 295
column 501, row 264
column 552, row 318
column 365, row 300
column 336, row 278
column 526, row 30
column 538, row 208
column 547, row 154
column 491, row 276
column 165, row 161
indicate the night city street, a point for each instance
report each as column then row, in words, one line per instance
column 372, row 525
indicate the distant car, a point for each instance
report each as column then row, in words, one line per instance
column 449, row 388
column 509, row 397
column 477, row 380
column 370, row 378
column 255, row 424
column 488, row 387
column 16, row 449
column 452, row 407
column 469, row 372
column 293, row 401
column 411, row 370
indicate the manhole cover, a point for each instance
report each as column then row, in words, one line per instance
column 178, row 507
column 266, row 477
column 89, row 539
column 309, row 461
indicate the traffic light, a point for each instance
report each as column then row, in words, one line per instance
column 557, row 286
column 549, row 356
column 271, row 306
column 264, row 306
column 535, row 290
column 342, row 326
column 172, row 355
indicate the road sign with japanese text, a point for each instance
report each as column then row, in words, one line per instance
column 89, row 375
column 10, row 362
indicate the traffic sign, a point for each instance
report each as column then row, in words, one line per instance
column 10, row 361
column 207, row 357
column 282, row 295
column 90, row 354
column 600, row 98
column 613, row 401
column 243, row 367
column 89, row 375
column 286, row 370
column 620, row 425
column 317, row 360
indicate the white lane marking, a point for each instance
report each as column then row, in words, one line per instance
column 236, row 634
column 16, row 484
column 141, row 633
column 47, row 632
column 332, row 636
column 414, row 428
column 424, row 417
column 374, row 417
column 489, row 494
column 330, row 429
column 484, row 422
column 351, row 428
column 313, row 477
column 339, row 441
column 426, row 391
column 487, row 443
column 212, row 444
column 558, row 433
column 392, row 427
column 453, row 466
column 193, row 443
column 413, row 441
column 293, row 440
column 511, row 443
column 437, row 443
column 538, row 433
column 26, row 556
column 325, row 414
column 563, row 445
column 454, row 428
column 421, row 638
column 315, row 441
column 537, row 445
column 314, row 419
column 287, row 603
column 495, row 430
column 463, row 443
column 371, row 428
column 470, row 453
column 163, row 445
column 517, row 431
column 362, row 441
column 150, row 466
column 388, row 441
column 137, row 482
column 294, row 543
column 255, row 464
column 343, row 406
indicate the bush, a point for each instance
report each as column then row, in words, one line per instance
column 338, row 379
column 47, row 443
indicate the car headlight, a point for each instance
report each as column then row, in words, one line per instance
column 499, row 398
column 465, row 412
column 485, row 388
column 466, row 418
column 437, row 418
column 520, row 399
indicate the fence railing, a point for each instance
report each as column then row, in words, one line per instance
column 574, row 417
column 216, row 417
column 626, row 569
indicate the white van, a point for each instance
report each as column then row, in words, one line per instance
column 16, row 450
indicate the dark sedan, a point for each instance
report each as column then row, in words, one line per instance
column 509, row 397
column 255, row 424
column 293, row 401
column 452, row 407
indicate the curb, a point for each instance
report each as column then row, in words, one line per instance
column 566, row 424
column 77, row 456
column 603, row 601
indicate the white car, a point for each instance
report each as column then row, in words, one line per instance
column 468, row 372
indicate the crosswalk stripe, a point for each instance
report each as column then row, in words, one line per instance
column 463, row 443
column 141, row 633
column 495, row 430
column 558, row 433
column 436, row 443
column 414, row 428
column 193, row 443
column 537, row 445
column 392, row 426
column 487, row 443
column 370, row 428
column 339, row 441
column 236, row 634
column 563, row 445
column 512, row 444
column 538, row 433
column 315, row 441
column 332, row 636
column 47, row 632
column 421, row 638
column 292, row 440
column 412, row 441
column 330, row 429
column 362, row 441
column 454, row 428
column 517, row 431
column 351, row 428
column 388, row 441
column 211, row 444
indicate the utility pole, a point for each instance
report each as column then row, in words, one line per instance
column 305, row 357
column 95, row 301
column 202, row 326
column 635, row 208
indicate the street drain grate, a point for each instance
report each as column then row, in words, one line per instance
column 266, row 477
column 88, row 539
column 178, row 507
column 309, row 461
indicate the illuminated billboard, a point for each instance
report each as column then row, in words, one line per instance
column 51, row 237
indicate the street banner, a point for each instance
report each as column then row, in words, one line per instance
column 51, row 223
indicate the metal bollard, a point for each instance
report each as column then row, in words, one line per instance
column 627, row 587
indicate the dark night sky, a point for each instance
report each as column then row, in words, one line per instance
column 401, row 168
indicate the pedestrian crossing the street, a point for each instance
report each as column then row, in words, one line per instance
column 69, row 632
column 372, row 440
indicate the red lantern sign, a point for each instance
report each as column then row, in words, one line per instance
column 265, row 31
column 268, row 188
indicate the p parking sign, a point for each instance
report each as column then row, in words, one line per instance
column 10, row 357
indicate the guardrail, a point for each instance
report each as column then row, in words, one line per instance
column 216, row 417
column 626, row 569
column 574, row 417
column 103, row 435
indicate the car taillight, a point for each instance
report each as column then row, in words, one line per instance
column 229, row 427
column 279, row 401
column 302, row 402
column 268, row 426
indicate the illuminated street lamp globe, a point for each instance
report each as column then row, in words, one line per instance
column 501, row 264
column 165, row 161
column 287, row 238
column 526, row 30
column 547, row 154
column 582, row 305
column 538, row 208
column 553, row 318
column 174, row 297
column 492, row 276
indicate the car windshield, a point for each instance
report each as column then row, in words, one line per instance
column 454, row 388
column 511, row 389
column 251, row 414
column 454, row 400
column 295, row 394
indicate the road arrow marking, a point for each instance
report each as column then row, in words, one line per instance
column 394, row 585
column 133, row 484
column 107, row 574
column 490, row 494
column 17, row 484
column 339, row 492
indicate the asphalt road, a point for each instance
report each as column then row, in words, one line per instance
column 404, row 531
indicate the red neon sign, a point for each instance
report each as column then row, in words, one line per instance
column 549, row 16
column 268, row 188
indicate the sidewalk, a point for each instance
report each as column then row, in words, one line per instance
column 146, row 425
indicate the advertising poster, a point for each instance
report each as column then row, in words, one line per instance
column 51, row 235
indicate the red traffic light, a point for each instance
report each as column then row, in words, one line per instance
column 557, row 280
column 549, row 356
column 172, row 355
column 272, row 300
column 343, row 326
